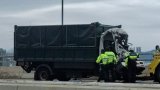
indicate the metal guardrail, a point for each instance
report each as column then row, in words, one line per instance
column 7, row 60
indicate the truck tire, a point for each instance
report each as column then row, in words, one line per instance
column 63, row 77
column 157, row 76
column 43, row 74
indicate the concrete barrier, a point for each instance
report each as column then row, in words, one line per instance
column 35, row 85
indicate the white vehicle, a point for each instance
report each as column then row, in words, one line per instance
column 140, row 67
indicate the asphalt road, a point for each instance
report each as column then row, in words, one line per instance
column 76, row 85
column 76, row 81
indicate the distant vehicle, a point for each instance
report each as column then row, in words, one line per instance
column 64, row 52
column 143, row 61
column 140, row 67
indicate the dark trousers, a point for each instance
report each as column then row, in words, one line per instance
column 107, row 73
column 131, row 71
column 125, row 74
column 110, row 72
column 101, row 73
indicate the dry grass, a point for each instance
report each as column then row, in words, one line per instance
column 11, row 72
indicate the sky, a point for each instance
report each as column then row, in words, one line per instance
column 139, row 18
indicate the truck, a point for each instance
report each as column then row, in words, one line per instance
column 65, row 52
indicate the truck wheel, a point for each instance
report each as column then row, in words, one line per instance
column 63, row 77
column 42, row 74
column 157, row 74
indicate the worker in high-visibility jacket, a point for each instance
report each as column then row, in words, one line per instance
column 102, row 61
column 130, row 62
column 156, row 51
column 111, row 63
column 107, row 60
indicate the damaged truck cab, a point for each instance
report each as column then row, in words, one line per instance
column 115, row 38
column 65, row 52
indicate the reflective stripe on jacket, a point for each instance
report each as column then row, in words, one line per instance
column 131, row 56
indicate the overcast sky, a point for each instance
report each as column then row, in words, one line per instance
column 139, row 18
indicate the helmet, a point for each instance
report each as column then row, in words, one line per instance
column 157, row 47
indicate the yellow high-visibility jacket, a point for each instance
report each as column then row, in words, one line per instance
column 102, row 58
column 111, row 57
column 107, row 58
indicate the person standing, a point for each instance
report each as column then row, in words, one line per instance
column 131, row 66
column 156, row 51
column 121, row 66
column 110, row 67
column 102, row 61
